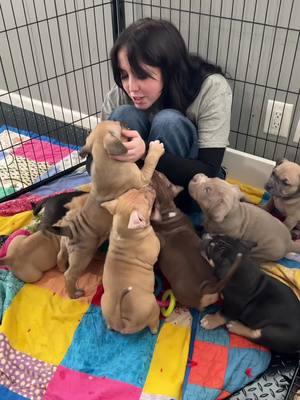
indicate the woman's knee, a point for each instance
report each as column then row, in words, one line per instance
column 132, row 117
column 176, row 131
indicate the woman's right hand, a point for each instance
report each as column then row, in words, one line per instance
column 136, row 146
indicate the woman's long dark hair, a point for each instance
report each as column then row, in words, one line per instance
column 158, row 43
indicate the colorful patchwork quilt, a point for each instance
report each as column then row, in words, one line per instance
column 27, row 158
column 52, row 347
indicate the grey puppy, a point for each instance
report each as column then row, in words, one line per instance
column 54, row 208
column 284, row 188
column 224, row 213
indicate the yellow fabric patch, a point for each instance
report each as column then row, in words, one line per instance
column 41, row 324
column 85, row 188
column 253, row 194
column 18, row 221
column 288, row 276
column 168, row 365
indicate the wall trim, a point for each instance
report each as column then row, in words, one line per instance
column 247, row 168
column 52, row 111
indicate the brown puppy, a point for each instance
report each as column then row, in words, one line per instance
column 128, row 303
column 111, row 178
column 225, row 214
column 180, row 259
column 87, row 228
column 84, row 228
column 30, row 256
column 284, row 188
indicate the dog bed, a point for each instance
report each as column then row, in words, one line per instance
column 52, row 347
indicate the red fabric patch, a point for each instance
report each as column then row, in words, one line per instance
column 223, row 395
column 97, row 296
column 243, row 343
column 211, row 365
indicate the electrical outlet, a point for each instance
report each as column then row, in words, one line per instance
column 278, row 118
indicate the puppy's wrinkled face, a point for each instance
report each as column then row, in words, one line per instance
column 133, row 208
column 284, row 180
column 165, row 190
column 221, row 252
column 105, row 133
column 215, row 196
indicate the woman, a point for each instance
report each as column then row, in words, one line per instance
column 163, row 92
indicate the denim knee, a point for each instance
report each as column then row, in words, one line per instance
column 135, row 119
column 176, row 131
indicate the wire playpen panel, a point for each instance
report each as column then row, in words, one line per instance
column 55, row 72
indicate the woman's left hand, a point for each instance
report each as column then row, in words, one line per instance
column 136, row 147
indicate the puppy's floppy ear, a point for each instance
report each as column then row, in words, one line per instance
column 280, row 161
column 84, row 151
column 248, row 244
column 113, row 145
column 60, row 230
column 110, row 206
column 137, row 221
column 221, row 208
column 238, row 193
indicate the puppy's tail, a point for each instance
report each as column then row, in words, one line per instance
column 123, row 294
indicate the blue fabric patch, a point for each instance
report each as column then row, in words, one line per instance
column 6, row 394
column 101, row 352
column 239, row 360
column 289, row 263
column 37, row 136
column 195, row 392
column 9, row 287
column 218, row 336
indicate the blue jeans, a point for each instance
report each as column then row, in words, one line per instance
column 171, row 127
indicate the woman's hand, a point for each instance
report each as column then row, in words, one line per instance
column 136, row 147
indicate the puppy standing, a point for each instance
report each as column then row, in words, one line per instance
column 128, row 303
column 256, row 305
column 224, row 213
column 83, row 230
column 180, row 258
column 87, row 228
column 284, row 188
column 111, row 178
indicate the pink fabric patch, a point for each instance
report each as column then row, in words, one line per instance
column 41, row 151
column 22, row 203
column 68, row 384
column 4, row 248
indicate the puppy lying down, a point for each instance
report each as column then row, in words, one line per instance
column 30, row 256
column 224, row 213
column 255, row 305
column 128, row 303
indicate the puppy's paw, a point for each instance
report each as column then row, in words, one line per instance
column 157, row 146
column 210, row 321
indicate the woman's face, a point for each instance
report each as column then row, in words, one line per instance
column 143, row 91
